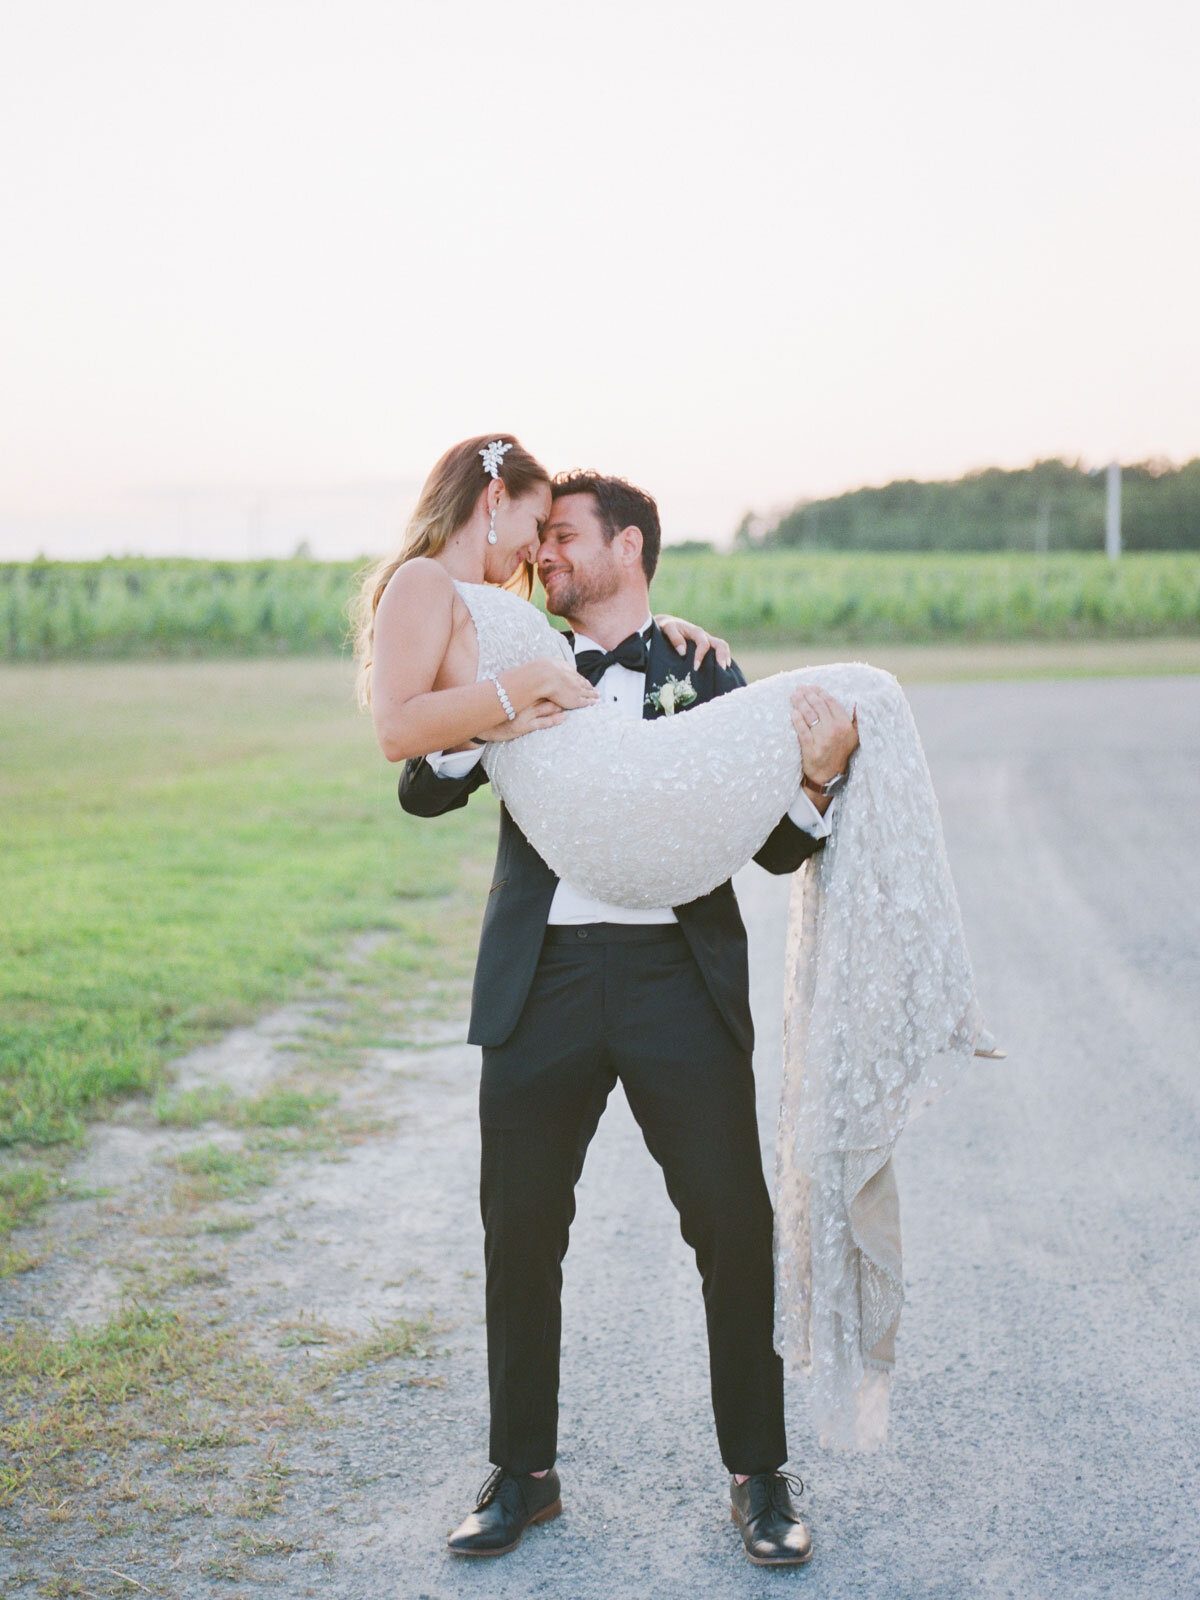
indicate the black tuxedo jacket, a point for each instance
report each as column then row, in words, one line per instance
column 523, row 885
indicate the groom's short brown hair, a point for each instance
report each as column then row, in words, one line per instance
column 619, row 505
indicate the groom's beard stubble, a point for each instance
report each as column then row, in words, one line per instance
column 577, row 592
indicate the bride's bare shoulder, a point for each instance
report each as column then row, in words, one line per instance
column 422, row 576
column 419, row 585
column 419, row 610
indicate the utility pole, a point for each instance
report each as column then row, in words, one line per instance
column 1112, row 513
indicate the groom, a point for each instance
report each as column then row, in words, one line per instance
column 570, row 995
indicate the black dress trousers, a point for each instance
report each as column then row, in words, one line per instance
column 613, row 1001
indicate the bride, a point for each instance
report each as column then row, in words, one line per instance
column 880, row 1008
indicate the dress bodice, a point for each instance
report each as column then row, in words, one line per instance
column 511, row 631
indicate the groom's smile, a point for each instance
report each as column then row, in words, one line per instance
column 550, row 575
column 560, row 590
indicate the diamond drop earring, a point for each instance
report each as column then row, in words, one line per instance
column 493, row 536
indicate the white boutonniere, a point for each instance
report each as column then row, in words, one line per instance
column 672, row 696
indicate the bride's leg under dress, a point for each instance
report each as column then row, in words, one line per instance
column 660, row 812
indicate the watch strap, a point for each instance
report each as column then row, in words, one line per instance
column 823, row 789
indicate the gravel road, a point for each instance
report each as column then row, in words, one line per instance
column 1045, row 1427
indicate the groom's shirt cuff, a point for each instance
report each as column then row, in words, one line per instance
column 457, row 764
column 806, row 817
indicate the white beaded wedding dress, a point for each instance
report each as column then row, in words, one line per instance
column 880, row 1007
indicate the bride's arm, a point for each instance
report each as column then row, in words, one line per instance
column 413, row 631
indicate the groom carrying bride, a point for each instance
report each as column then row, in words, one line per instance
column 571, row 995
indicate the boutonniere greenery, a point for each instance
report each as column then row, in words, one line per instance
column 672, row 696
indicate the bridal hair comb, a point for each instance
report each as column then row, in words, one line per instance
column 493, row 456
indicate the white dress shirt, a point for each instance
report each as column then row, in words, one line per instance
column 626, row 689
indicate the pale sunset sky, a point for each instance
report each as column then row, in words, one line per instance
column 264, row 260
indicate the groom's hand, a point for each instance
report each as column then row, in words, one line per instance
column 828, row 734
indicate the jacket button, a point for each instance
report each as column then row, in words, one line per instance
column 581, row 933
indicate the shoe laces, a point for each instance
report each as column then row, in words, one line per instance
column 494, row 1486
column 490, row 1487
column 778, row 1486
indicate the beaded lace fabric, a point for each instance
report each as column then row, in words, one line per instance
column 880, row 1013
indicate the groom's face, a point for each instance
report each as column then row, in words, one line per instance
column 578, row 566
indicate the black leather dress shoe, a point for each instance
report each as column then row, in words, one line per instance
column 762, row 1507
column 508, row 1503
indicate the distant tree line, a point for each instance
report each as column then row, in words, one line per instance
column 1055, row 505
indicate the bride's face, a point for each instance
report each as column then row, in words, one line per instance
column 518, row 526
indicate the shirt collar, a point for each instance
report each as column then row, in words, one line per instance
column 582, row 642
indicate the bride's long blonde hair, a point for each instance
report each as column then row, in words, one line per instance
column 447, row 501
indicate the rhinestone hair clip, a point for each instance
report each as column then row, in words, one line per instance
column 493, row 455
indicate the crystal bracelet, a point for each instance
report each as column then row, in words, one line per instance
column 503, row 693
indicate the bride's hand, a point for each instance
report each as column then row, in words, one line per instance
column 678, row 632
column 549, row 680
column 541, row 714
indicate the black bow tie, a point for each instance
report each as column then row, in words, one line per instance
column 631, row 652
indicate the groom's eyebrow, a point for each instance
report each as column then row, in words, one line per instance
column 555, row 524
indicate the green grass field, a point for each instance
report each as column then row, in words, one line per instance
column 141, row 608
column 183, row 844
